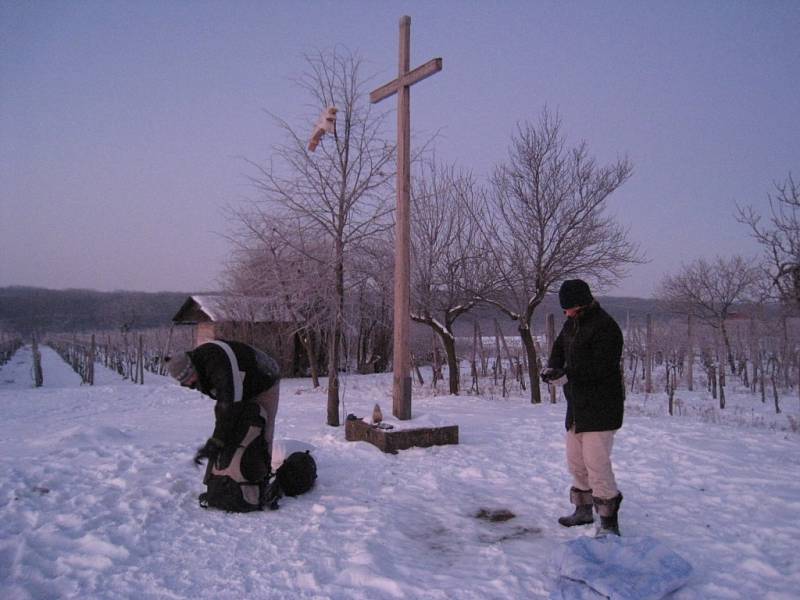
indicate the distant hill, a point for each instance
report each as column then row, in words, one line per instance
column 24, row 310
column 621, row 308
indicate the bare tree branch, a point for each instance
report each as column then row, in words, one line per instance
column 779, row 239
column 447, row 271
column 548, row 224
column 336, row 195
column 709, row 291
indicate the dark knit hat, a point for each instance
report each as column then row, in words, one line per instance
column 180, row 367
column 573, row 293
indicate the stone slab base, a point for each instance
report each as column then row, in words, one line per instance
column 392, row 440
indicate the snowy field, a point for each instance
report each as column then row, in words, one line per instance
column 98, row 496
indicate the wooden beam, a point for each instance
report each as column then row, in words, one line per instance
column 431, row 67
column 401, row 354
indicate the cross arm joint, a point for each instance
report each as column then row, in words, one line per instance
column 408, row 79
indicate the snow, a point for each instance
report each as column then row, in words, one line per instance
column 98, row 496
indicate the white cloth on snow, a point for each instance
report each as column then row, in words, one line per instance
column 283, row 448
column 619, row 568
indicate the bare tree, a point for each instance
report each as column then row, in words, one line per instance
column 779, row 238
column 636, row 354
column 338, row 192
column 369, row 310
column 669, row 350
column 447, row 258
column 292, row 276
column 549, row 224
column 709, row 290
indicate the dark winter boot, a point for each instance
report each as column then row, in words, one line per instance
column 582, row 499
column 608, row 508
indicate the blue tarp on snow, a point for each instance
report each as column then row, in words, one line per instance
column 617, row 568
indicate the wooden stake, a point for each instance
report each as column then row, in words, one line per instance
column 551, row 338
column 648, row 364
column 92, row 352
column 690, row 359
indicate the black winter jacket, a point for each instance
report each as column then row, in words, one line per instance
column 589, row 349
column 215, row 379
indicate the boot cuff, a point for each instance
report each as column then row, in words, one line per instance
column 607, row 507
column 580, row 497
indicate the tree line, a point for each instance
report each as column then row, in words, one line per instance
column 734, row 299
column 28, row 310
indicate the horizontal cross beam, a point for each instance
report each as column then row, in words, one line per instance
column 418, row 74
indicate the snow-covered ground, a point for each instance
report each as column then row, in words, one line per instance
column 98, row 496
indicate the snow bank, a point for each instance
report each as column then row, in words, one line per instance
column 98, row 499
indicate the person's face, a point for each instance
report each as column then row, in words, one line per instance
column 572, row 312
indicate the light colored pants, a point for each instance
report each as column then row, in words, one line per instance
column 268, row 407
column 589, row 461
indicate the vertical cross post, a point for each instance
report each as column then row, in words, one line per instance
column 401, row 392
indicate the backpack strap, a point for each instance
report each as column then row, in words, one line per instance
column 236, row 374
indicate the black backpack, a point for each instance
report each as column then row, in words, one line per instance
column 235, row 479
column 297, row 473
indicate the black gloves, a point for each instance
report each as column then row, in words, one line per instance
column 549, row 374
column 270, row 494
column 210, row 451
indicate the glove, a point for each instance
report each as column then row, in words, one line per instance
column 210, row 451
column 270, row 494
column 550, row 374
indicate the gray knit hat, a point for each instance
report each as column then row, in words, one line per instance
column 180, row 367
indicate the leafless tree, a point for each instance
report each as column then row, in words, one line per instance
column 635, row 351
column 709, row 291
column 779, row 238
column 549, row 224
column 291, row 276
column 369, row 309
column 337, row 193
column 669, row 350
column 448, row 266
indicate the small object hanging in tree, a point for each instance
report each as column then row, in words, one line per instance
column 325, row 124
column 377, row 415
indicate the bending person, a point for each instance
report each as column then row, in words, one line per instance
column 244, row 382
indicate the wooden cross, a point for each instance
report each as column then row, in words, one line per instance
column 401, row 392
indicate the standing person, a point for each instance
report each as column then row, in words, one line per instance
column 245, row 383
column 588, row 351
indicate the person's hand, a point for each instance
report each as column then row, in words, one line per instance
column 549, row 374
column 270, row 494
column 210, row 451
